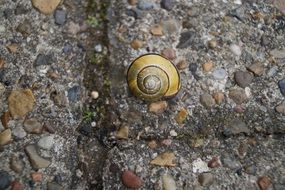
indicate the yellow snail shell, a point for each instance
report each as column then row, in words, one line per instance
column 152, row 77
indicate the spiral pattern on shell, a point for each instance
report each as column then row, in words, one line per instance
column 151, row 77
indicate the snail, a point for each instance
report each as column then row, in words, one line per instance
column 152, row 77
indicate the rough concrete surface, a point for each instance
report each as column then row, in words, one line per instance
column 80, row 127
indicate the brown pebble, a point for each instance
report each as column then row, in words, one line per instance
column 238, row 95
column 16, row 185
column 16, row 164
column 208, row 66
column 5, row 137
column 21, row 102
column 281, row 108
column 5, row 118
column 2, row 63
column 256, row 68
column 132, row 2
column 181, row 65
column 53, row 75
column 123, row 132
column 13, row 48
column 214, row 162
column 152, row 144
column 33, row 126
column 212, row 44
column 48, row 127
column 158, row 107
column 136, row 44
column 239, row 108
column 219, row 97
column 37, row 176
column 131, row 180
column 263, row 182
column 168, row 53
column 156, row 30
column 207, row 100
column 44, row 6
column 181, row 116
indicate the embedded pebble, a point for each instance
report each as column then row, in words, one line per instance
column 131, row 180
column 46, row 142
column 199, row 166
column 238, row 95
column 281, row 108
column 173, row 133
column 132, row 2
column 214, row 162
column 5, row 179
column 16, row 164
column 21, row 102
column 5, row 137
column 25, row 28
column 167, row 4
column 263, row 182
column 45, row 6
column 235, row 127
column 19, row 132
column 146, row 4
column 95, row 95
column 212, row 44
column 37, row 176
column 164, row 159
column 33, row 126
column 16, row 185
column 219, row 97
column 136, row 44
column 152, row 144
column 60, row 17
column 257, row 68
column 181, row 65
column 243, row 78
column 123, row 132
column 181, row 116
column 208, row 66
column 158, row 107
column 281, row 85
column 207, row 100
column 206, row 179
column 156, row 30
column 168, row 53
column 168, row 182
column 219, row 74
column 36, row 160
column 236, row 49
column 98, row 48
column 73, row 93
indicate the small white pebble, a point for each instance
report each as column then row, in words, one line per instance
column 79, row 173
column 247, row 92
column 94, row 94
column 46, row 142
column 98, row 48
column 199, row 166
column 93, row 124
column 235, row 49
column 173, row 133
